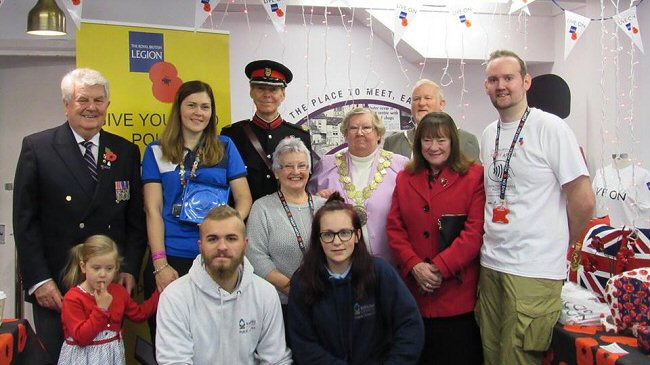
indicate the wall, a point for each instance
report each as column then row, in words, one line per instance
column 30, row 100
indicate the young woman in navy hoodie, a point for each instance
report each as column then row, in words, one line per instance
column 345, row 306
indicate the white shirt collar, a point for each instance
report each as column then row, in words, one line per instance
column 79, row 138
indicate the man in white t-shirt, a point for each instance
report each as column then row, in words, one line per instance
column 538, row 199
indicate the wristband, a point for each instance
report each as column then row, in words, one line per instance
column 158, row 255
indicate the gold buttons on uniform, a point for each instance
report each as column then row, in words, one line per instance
column 82, row 225
column 68, row 198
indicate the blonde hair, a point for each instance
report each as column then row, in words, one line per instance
column 96, row 245
column 377, row 122
column 221, row 213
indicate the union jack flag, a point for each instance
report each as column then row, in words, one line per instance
column 605, row 252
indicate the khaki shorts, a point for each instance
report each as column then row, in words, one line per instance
column 516, row 316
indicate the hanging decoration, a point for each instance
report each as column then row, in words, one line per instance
column 518, row 4
column 202, row 11
column 74, row 10
column 462, row 14
column 345, row 2
column 575, row 26
column 405, row 11
column 276, row 10
column 629, row 23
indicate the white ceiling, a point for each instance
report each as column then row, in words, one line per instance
column 178, row 13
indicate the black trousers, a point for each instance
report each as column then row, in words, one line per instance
column 452, row 340
column 181, row 265
column 49, row 328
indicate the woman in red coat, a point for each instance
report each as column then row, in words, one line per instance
column 440, row 188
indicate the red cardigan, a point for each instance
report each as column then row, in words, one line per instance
column 83, row 320
column 412, row 230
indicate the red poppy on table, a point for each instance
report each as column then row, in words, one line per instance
column 6, row 348
column 584, row 355
column 604, row 357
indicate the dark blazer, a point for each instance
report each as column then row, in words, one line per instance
column 261, row 180
column 56, row 204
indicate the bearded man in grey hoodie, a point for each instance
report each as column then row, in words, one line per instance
column 220, row 312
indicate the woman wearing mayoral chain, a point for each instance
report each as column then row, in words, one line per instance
column 364, row 174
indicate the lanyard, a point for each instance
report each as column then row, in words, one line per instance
column 310, row 201
column 504, row 177
column 195, row 166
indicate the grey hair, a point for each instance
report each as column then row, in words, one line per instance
column 377, row 122
column 83, row 77
column 421, row 82
column 287, row 145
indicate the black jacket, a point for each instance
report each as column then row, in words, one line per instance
column 261, row 180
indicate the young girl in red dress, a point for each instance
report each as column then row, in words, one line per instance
column 95, row 306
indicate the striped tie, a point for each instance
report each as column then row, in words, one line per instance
column 90, row 159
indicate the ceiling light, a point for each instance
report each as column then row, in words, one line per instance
column 46, row 18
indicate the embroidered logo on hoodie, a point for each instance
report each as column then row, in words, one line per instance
column 245, row 327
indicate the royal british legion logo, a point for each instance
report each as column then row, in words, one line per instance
column 145, row 50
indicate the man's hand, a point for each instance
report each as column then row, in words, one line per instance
column 127, row 281
column 48, row 296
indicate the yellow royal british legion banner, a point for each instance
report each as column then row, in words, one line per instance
column 145, row 66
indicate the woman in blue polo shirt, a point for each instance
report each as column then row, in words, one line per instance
column 189, row 154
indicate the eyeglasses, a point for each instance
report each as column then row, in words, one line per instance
column 291, row 167
column 365, row 129
column 621, row 155
column 344, row 235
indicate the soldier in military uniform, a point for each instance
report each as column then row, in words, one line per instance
column 268, row 79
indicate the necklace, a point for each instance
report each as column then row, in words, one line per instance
column 359, row 197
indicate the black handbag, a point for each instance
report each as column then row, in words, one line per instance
column 449, row 227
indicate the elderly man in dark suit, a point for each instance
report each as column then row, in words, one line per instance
column 427, row 97
column 73, row 181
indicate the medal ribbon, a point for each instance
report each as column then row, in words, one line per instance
column 504, row 178
column 310, row 201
